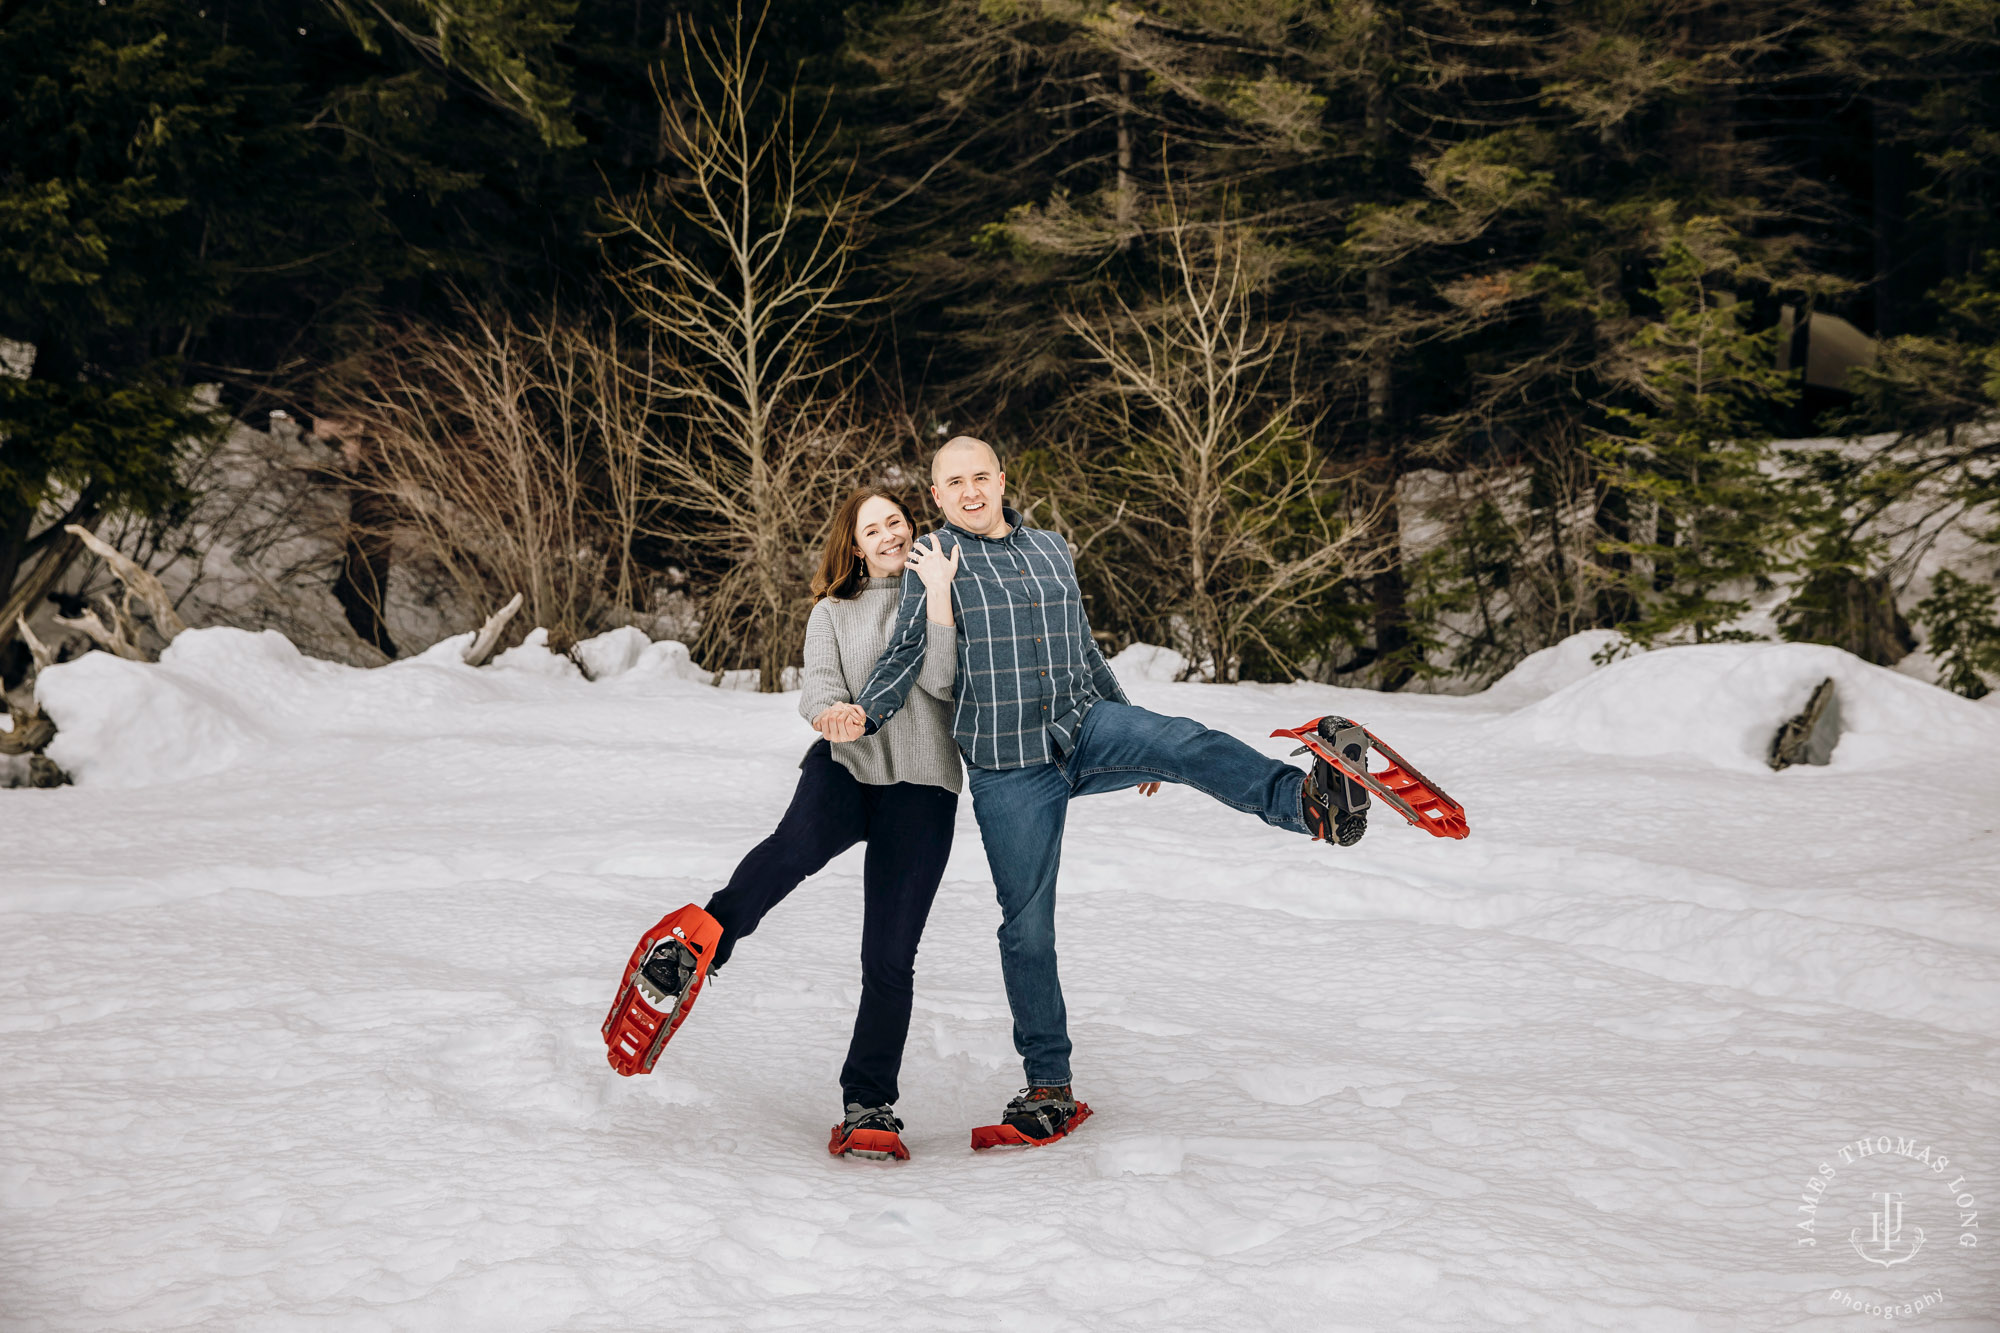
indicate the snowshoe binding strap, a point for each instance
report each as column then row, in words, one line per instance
column 1349, row 740
column 661, row 981
column 870, row 1132
column 1397, row 785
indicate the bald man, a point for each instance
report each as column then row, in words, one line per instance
column 1040, row 718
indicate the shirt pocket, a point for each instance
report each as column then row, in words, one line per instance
column 994, row 589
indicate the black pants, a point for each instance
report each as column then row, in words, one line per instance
column 908, row 830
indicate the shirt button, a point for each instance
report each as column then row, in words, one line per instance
column 1045, row 673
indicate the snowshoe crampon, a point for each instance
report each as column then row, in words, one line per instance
column 661, row 982
column 1007, row 1136
column 1399, row 785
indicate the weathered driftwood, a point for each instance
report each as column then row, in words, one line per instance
column 1810, row 737
column 30, row 735
column 31, row 732
column 138, row 582
column 44, row 772
column 111, row 638
column 37, row 650
column 489, row 634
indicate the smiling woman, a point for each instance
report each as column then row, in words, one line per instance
column 863, row 544
column 896, row 790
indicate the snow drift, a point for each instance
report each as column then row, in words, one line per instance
column 221, row 697
column 1720, row 703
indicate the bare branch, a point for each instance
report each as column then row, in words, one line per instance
column 489, row 634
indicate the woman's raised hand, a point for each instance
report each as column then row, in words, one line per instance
column 933, row 566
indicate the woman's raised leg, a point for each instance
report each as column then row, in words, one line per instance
column 828, row 814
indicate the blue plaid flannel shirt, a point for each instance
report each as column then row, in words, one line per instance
column 1028, row 669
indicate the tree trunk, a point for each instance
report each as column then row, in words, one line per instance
column 1615, row 602
column 1376, row 285
column 42, row 579
column 1890, row 188
column 362, row 587
column 16, row 522
column 1392, row 613
column 1387, row 589
column 1125, row 201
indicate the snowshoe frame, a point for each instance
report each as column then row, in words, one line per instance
column 643, row 1018
column 1399, row 786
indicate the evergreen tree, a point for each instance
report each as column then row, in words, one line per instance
column 108, row 118
column 1691, row 460
column 238, row 192
column 1958, row 619
column 1843, row 598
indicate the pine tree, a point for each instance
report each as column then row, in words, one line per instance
column 1691, row 458
column 105, row 118
column 1958, row 619
column 238, row 193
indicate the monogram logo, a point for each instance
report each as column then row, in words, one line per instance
column 1886, row 1231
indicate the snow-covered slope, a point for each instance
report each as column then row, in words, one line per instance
column 300, row 986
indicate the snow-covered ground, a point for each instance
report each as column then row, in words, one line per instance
column 300, row 991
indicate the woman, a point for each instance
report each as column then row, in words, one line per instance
column 896, row 790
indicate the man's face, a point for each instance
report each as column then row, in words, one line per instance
column 967, row 483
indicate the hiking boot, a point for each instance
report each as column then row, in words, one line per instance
column 1043, row 1113
column 869, row 1131
column 1333, row 805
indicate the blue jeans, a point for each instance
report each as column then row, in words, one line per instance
column 1021, row 813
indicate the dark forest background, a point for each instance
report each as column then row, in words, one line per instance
column 604, row 301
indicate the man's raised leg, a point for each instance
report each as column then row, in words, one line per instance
column 1121, row 745
column 1021, row 813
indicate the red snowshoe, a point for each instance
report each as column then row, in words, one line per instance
column 660, row 985
column 1338, row 742
column 1039, row 1116
column 869, row 1131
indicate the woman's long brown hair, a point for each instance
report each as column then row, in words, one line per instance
column 843, row 573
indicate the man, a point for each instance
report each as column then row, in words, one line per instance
column 1040, row 719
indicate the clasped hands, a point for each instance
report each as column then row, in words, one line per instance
column 847, row 722
column 842, row 722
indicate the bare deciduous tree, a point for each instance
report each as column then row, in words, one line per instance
column 1223, row 524
column 505, row 447
column 736, row 268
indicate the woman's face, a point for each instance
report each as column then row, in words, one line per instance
column 882, row 537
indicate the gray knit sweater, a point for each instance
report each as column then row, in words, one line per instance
column 843, row 639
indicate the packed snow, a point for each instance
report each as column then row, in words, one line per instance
column 300, row 988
